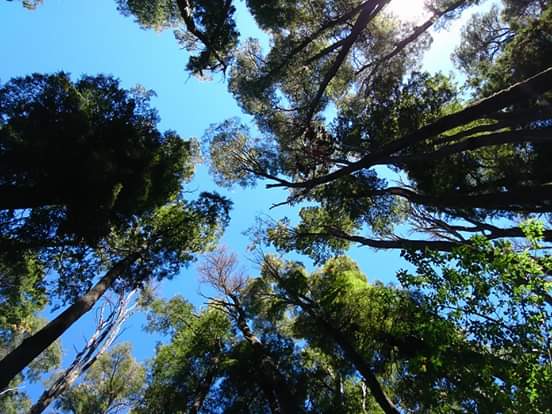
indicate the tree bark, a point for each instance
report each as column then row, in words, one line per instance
column 273, row 382
column 31, row 347
column 308, row 306
column 106, row 332
column 358, row 361
column 529, row 199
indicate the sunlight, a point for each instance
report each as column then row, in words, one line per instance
column 408, row 10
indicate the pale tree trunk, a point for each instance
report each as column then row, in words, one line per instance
column 31, row 347
column 106, row 332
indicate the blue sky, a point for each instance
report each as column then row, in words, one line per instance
column 91, row 37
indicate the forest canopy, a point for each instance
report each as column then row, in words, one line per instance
column 374, row 148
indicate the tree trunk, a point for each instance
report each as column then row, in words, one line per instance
column 352, row 355
column 31, row 347
column 205, row 386
column 106, row 332
column 369, row 377
column 269, row 374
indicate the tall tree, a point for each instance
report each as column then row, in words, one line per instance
column 341, row 344
column 461, row 161
column 185, row 371
column 207, row 365
column 155, row 247
column 54, row 132
column 471, row 337
column 220, row 271
column 110, row 386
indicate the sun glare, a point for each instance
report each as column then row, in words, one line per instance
column 408, row 10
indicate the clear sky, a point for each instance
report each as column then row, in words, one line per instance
column 91, row 37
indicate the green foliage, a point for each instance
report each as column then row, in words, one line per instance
column 500, row 298
column 191, row 359
column 205, row 28
column 111, row 385
column 14, row 402
column 22, row 291
column 55, row 131
column 467, row 337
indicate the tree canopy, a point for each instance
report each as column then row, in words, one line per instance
column 342, row 105
column 375, row 149
column 330, row 341
column 84, row 149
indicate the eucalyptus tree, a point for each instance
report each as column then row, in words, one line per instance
column 110, row 386
column 471, row 333
column 127, row 219
column 155, row 247
column 220, row 270
column 341, row 95
column 233, row 357
column 185, row 370
column 468, row 333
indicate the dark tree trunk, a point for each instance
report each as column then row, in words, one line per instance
column 31, row 347
column 273, row 383
column 352, row 355
column 205, row 386
column 369, row 377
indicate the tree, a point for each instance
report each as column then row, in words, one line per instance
column 54, row 132
column 111, row 385
column 500, row 296
column 209, row 365
column 185, row 370
column 220, row 271
column 462, row 162
column 468, row 336
column 155, row 247
column 207, row 25
column 340, row 344
column 107, row 329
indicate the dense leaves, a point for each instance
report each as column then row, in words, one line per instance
column 350, row 122
column 112, row 385
column 205, row 28
column 82, row 156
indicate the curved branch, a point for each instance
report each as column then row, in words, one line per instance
column 533, row 86
column 369, row 11
column 418, row 31
column 185, row 9
column 309, row 39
